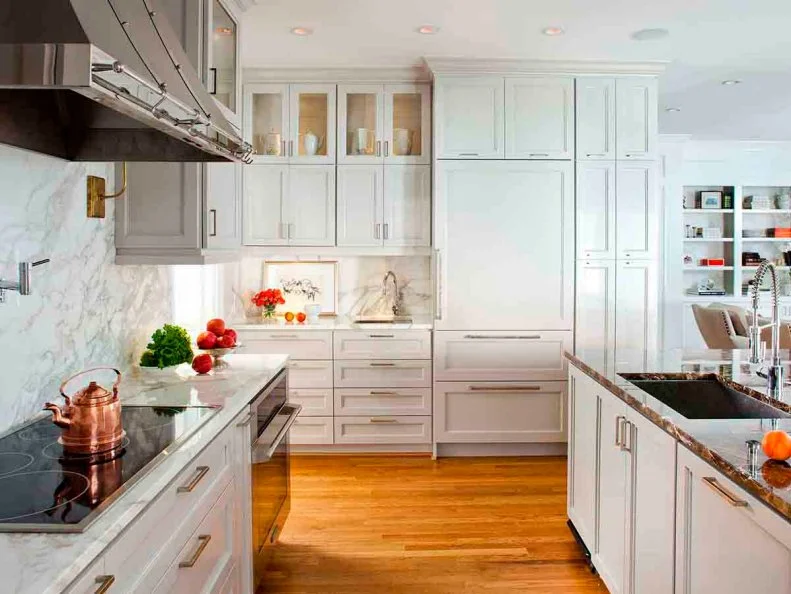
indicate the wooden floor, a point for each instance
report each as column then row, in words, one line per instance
column 408, row 525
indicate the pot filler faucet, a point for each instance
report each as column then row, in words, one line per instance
column 396, row 295
column 23, row 284
column 774, row 369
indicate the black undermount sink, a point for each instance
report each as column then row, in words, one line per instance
column 705, row 398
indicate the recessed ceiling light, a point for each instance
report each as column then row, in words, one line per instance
column 731, row 81
column 302, row 31
column 672, row 109
column 428, row 30
column 552, row 31
column 650, row 34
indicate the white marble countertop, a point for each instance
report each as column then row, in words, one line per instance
column 337, row 323
column 48, row 563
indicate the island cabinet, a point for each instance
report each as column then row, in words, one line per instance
column 726, row 540
column 621, row 489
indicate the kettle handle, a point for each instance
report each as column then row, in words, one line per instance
column 115, row 385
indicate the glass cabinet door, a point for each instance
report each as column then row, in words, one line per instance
column 223, row 57
column 360, row 129
column 312, row 125
column 266, row 121
column 407, row 124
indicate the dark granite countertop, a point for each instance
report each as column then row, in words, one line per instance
column 720, row 442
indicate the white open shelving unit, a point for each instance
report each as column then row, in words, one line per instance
column 732, row 245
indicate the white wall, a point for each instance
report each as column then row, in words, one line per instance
column 693, row 162
column 84, row 310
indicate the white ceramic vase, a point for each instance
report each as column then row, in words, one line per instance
column 311, row 143
column 312, row 311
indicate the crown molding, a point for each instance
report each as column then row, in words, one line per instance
column 337, row 75
column 469, row 66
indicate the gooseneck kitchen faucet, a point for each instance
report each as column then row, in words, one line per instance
column 774, row 370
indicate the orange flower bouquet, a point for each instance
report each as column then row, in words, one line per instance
column 269, row 299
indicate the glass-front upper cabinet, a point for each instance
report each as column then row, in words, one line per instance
column 223, row 80
column 384, row 123
column 291, row 123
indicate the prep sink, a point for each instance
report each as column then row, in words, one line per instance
column 706, row 398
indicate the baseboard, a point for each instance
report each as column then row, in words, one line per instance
column 407, row 449
column 500, row 449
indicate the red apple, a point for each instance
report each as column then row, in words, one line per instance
column 301, row 317
column 202, row 364
column 216, row 326
column 232, row 333
column 225, row 342
column 206, row 340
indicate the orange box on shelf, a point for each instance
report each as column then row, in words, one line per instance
column 784, row 232
column 712, row 262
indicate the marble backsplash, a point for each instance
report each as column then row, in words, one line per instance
column 359, row 284
column 84, row 310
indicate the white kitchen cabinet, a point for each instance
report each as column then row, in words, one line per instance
column 726, row 540
column 382, row 374
column 596, row 309
column 500, row 355
column 289, row 205
column 91, row 580
column 595, row 103
column 636, row 107
column 636, row 306
column 499, row 412
column 240, row 579
column 583, row 461
column 382, row 344
column 298, row 344
column 315, row 402
column 539, row 117
column 224, row 205
column 637, row 212
column 384, row 205
column 312, row 431
column 382, row 430
column 469, row 117
column 596, row 207
column 291, row 123
column 503, row 247
column 310, row 374
column 350, row 402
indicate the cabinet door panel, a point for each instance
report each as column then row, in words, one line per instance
column 595, row 311
column 266, row 121
column 312, row 431
column 539, row 118
column 595, row 118
column 360, row 124
column 636, row 210
column 596, row 227
column 310, row 206
column 469, row 115
column 360, row 205
column 502, row 247
column 383, row 430
column 636, row 303
column 223, row 205
column 636, row 117
column 407, row 124
column 407, row 205
column 312, row 113
column 265, row 190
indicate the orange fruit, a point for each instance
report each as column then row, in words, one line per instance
column 301, row 317
column 289, row 316
column 777, row 445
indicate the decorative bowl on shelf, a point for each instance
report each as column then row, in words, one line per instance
column 218, row 354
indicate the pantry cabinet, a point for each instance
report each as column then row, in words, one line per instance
column 539, row 118
column 636, row 113
column 596, row 208
column 289, row 205
column 636, row 213
column 596, row 310
column 595, row 103
column 636, row 296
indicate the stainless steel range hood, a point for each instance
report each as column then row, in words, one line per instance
column 105, row 80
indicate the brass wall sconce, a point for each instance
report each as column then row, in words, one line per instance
column 96, row 195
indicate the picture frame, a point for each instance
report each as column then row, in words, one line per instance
column 710, row 200
column 294, row 278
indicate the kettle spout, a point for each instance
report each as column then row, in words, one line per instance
column 57, row 415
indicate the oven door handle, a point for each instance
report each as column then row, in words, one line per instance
column 273, row 445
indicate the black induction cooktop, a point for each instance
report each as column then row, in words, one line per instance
column 43, row 490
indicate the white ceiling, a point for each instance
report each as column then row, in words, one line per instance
column 710, row 40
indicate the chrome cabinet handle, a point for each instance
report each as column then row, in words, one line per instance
column 723, row 492
column 284, row 148
column 104, row 581
column 276, row 336
column 539, row 154
column 505, row 388
column 290, row 148
column 200, row 472
column 246, row 421
column 387, row 148
column 382, row 364
column 386, row 227
column 203, row 542
column 291, row 230
column 382, row 393
column 618, row 426
column 595, row 155
column 627, row 433
column 378, row 148
column 378, row 420
column 438, row 285
column 495, row 337
column 213, row 213
column 381, row 336
column 377, row 231
column 468, row 154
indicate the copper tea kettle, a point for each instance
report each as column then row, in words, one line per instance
column 91, row 417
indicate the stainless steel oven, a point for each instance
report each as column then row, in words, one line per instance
column 271, row 472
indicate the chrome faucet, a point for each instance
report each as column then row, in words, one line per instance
column 397, row 297
column 774, row 370
column 23, row 284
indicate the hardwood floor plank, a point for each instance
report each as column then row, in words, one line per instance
column 410, row 525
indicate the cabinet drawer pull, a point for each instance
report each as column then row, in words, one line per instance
column 378, row 148
column 387, row 148
column 104, row 581
column 213, row 213
column 382, row 364
column 618, row 424
column 724, row 493
column 290, row 148
column 381, row 336
column 278, row 336
column 377, row 234
column 284, row 148
column 505, row 388
column 386, row 228
column 200, row 472
column 627, row 433
column 493, row 337
column 595, row 155
column 203, row 542
column 539, row 154
column 382, row 393
column 468, row 154
column 378, row 420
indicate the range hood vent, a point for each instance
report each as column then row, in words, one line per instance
column 105, row 80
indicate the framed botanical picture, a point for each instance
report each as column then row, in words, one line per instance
column 304, row 283
column 710, row 199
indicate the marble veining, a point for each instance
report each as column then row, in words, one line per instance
column 84, row 310
column 720, row 442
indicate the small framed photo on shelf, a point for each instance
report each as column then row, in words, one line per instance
column 710, row 199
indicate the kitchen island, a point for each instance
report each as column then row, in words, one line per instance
column 127, row 542
column 663, row 502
